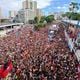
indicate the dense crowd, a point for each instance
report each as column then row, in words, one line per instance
column 35, row 58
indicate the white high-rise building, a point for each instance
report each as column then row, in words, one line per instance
column 39, row 12
column 0, row 13
column 28, row 12
column 12, row 14
column 28, row 4
column 34, row 5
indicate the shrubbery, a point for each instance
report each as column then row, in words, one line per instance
column 39, row 23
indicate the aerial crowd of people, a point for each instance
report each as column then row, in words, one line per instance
column 35, row 58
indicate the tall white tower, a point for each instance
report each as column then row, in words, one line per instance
column 27, row 4
column 0, row 13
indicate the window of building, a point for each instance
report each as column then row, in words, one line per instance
column 31, row 5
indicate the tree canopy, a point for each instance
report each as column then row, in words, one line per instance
column 73, row 7
column 72, row 15
column 50, row 18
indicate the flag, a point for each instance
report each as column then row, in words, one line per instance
column 4, row 73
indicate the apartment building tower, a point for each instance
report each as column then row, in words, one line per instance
column 28, row 12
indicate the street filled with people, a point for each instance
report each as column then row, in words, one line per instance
column 34, row 57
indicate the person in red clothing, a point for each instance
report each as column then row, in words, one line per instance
column 6, row 68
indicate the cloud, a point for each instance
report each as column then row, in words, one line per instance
column 11, row 4
column 7, row 5
column 63, row 7
column 17, row 4
column 43, row 3
column 59, row 7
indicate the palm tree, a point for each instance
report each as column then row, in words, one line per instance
column 73, row 7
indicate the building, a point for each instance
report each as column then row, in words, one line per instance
column 28, row 12
column 24, row 16
column 0, row 14
column 29, row 15
column 20, row 17
column 12, row 14
column 39, row 13
column 25, row 4
column 29, row 4
column 57, row 15
column 34, row 5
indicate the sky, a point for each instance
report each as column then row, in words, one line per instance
column 47, row 6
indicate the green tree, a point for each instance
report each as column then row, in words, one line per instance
column 78, row 16
column 63, row 15
column 49, row 18
column 68, row 14
column 36, row 20
column 72, row 15
column 39, row 25
column 42, row 19
column 73, row 7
